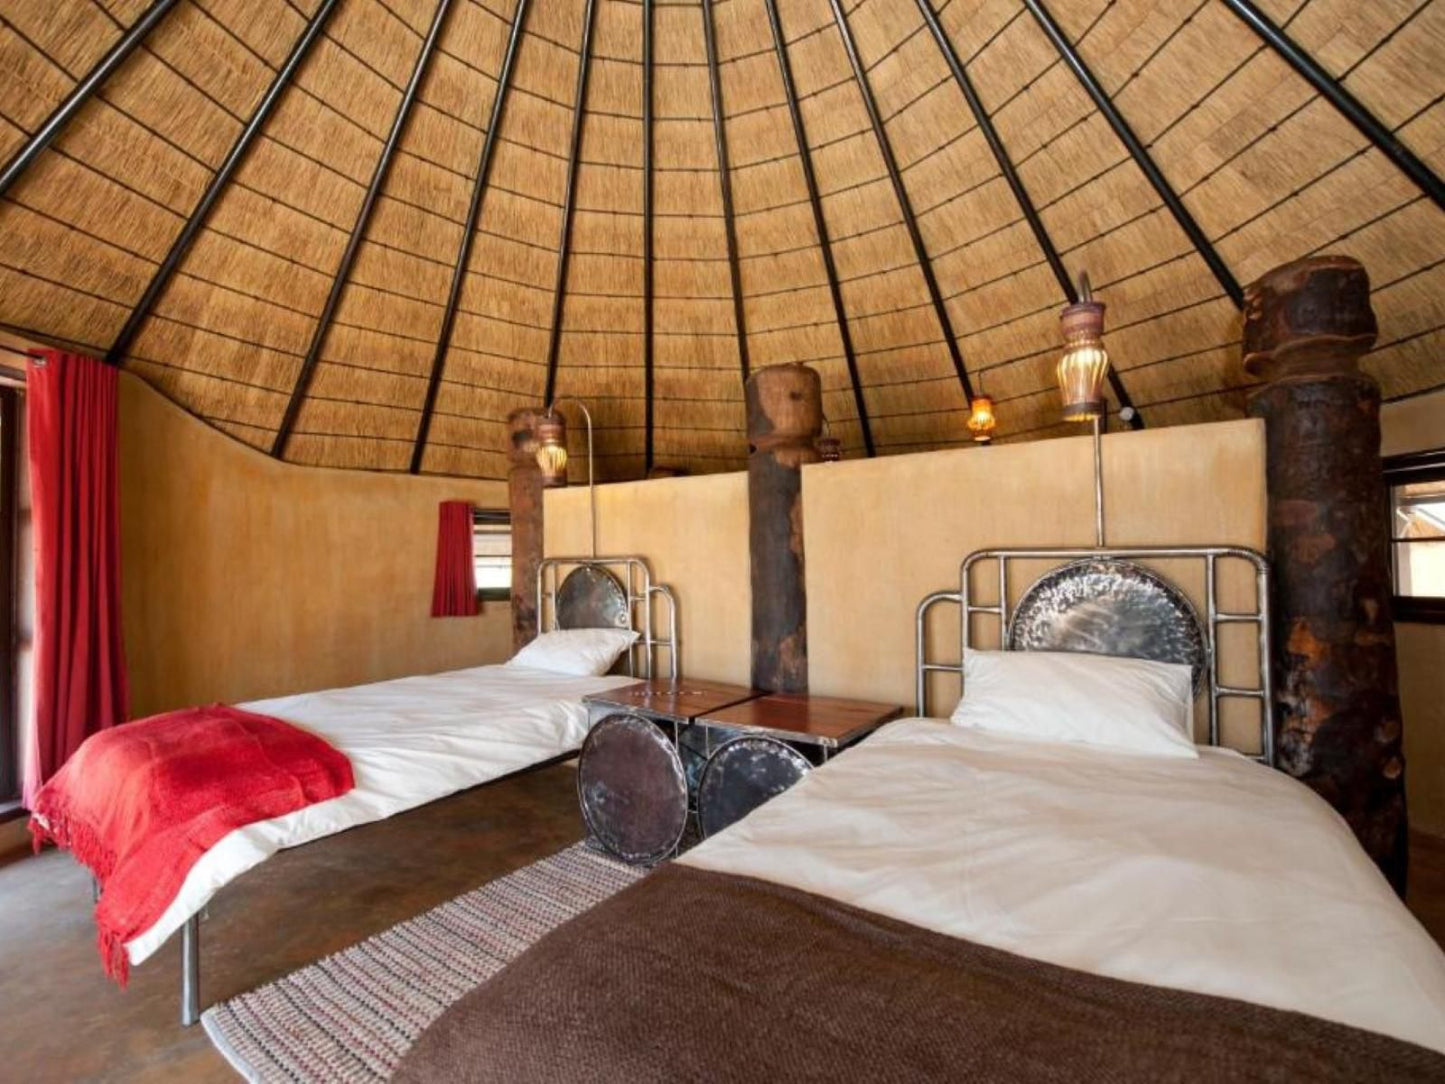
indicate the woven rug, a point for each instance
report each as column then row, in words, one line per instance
column 351, row 1016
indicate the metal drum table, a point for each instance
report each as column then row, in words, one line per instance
column 640, row 763
column 760, row 747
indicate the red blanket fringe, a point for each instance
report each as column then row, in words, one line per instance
column 140, row 803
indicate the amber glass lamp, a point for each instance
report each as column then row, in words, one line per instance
column 551, row 441
column 1085, row 362
column 829, row 447
column 981, row 420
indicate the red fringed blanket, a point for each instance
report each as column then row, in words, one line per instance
column 140, row 803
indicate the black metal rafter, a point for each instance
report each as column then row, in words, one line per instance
column 202, row 212
column 459, row 273
column 1138, row 151
column 805, row 156
column 81, row 93
column 647, row 269
column 920, row 251
column 358, row 230
column 1335, row 93
column 719, row 129
column 1016, row 185
column 569, row 200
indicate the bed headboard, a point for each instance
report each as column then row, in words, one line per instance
column 610, row 593
column 1106, row 601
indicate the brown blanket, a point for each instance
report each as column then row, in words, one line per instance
column 692, row 976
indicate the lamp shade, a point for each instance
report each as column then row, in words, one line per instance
column 551, row 433
column 1084, row 363
column 981, row 420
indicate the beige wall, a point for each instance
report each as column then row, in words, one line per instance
column 1413, row 425
column 243, row 577
column 882, row 533
column 694, row 533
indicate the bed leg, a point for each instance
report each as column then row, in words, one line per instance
column 191, row 971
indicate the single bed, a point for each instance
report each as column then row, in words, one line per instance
column 1127, row 894
column 414, row 740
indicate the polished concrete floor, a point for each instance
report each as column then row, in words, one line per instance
column 61, row 1020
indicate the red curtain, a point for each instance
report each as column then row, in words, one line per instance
column 80, row 679
column 454, row 593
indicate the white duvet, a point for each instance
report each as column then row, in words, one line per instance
column 410, row 741
column 1216, row 875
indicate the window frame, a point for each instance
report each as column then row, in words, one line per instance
column 493, row 517
column 1427, row 466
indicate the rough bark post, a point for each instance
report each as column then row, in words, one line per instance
column 1306, row 326
column 524, row 499
column 785, row 417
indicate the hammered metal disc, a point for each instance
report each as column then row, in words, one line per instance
column 632, row 789
column 1111, row 607
column 591, row 597
column 743, row 774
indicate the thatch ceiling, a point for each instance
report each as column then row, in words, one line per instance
column 1265, row 169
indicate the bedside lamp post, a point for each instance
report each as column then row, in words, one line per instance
column 552, row 454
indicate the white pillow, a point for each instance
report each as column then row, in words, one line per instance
column 579, row 652
column 1121, row 703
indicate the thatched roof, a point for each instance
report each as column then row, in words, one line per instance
column 1265, row 167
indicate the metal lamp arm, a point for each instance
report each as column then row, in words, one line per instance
column 591, row 479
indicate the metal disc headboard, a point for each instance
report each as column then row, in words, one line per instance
column 1103, row 601
column 612, row 593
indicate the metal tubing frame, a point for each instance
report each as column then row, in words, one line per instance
column 647, row 253
column 1214, row 617
column 1137, row 150
column 1016, row 185
column 591, row 466
column 636, row 576
column 720, row 139
column 1350, row 107
column 202, row 212
column 569, row 199
column 81, row 93
column 191, row 971
column 459, row 273
column 805, row 155
column 905, row 205
column 358, row 230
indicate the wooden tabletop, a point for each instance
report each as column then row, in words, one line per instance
column 684, row 699
column 824, row 720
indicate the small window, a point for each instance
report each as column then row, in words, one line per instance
column 1417, row 534
column 492, row 553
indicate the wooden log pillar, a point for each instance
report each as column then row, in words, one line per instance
column 524, row 500
column 1306, row 326
column 785, row 418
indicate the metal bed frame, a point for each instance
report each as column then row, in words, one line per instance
column 1214, row 618
column 632, row 605
column 636, row 590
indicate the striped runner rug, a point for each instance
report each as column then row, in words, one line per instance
column 351, row 1016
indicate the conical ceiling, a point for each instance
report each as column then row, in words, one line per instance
column 256, row 213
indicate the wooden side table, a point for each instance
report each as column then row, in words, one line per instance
column 633, row 784
column 824, row 723
column 760, row 747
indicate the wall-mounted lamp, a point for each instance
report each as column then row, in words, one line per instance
column 1082, row 370
column 829, row 447
column 981, row 420
column 551, row 430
